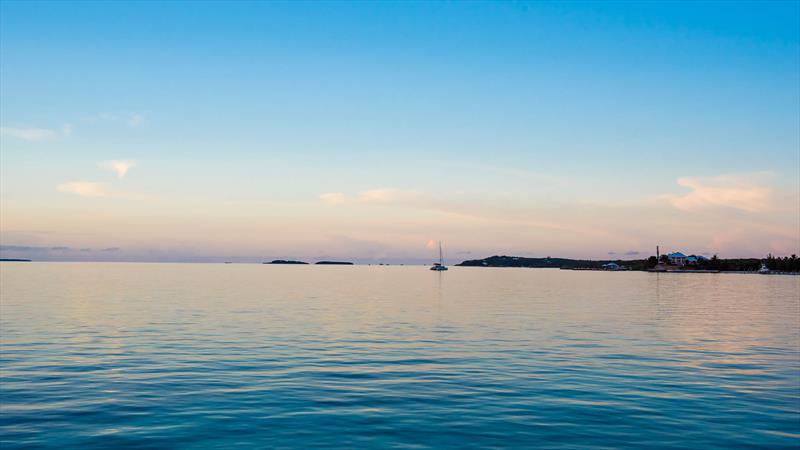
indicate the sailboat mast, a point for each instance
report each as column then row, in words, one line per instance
column 440, row 253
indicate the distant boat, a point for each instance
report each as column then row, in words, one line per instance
column 764, row 270
column 440, row 265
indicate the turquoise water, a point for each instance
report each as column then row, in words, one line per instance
column 259, row 356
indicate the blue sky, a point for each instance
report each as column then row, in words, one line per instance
column 365, row 130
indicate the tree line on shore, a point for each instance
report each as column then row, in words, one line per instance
column 785, row 264
column 780, row 264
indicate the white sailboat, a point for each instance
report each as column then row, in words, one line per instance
column 440, row 265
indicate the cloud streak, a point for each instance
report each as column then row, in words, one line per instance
column 85, row 189
column 135, row 120
column 60, row 248
column 131, row 119
column 36, row 134
column 377, row 197
column 98, row 190
column 121, row 168
column 474, row 210
column 29, row 134
column 744, row 192
column 334, row 198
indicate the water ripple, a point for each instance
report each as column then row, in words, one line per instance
column 236, row 356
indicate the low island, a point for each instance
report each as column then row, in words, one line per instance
column 675, row 262
column 520, row 261
column 289, row 261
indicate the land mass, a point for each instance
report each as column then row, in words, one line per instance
column 787, row 264
column 289, row 261
column 14, row 260
column 536, row 263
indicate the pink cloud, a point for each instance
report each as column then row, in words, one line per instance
column 744, row 192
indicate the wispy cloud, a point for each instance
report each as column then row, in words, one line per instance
column 135, row 120
column 85, row 189
column 486, row 210
column 29, row 134
column 132, row 119
column 34, row 134
column 376, row 197
column 59, row 248
column 334, row 198
column 391, row 196
column 99, row 190
column 745, row 192
column 121, row 168
column 628, row 253
column 61, row 253
column 95, row 189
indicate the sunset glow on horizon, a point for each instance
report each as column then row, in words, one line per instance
column 368, row 131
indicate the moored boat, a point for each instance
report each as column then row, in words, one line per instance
column 440, row 265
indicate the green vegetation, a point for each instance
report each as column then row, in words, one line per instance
column 738, row 264
column 785, row 264
column 548, row 262
column 778, row 264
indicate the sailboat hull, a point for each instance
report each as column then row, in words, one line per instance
column 440, row 265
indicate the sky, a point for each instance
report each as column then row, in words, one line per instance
column 368, row 131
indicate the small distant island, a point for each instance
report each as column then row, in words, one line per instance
column 14, row 260
column 289, row 261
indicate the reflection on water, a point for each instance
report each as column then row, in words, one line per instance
column 227, row 356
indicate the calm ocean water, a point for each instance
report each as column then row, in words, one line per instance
column 256, row 356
